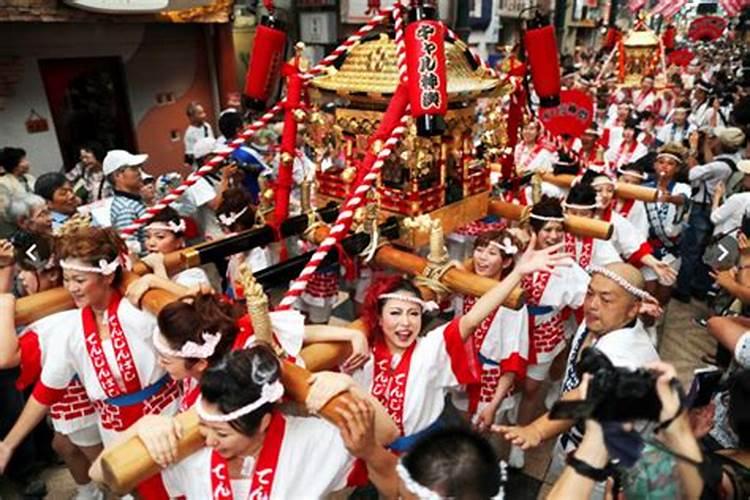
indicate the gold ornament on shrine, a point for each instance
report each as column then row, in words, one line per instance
column 423, row 175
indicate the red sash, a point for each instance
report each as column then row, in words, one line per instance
column 641, row 97
column 626, row 207
column 389, row 385
column 191, row 389
column 587, row 251
column 265, row 467
column 124, row 357
column 627, row 157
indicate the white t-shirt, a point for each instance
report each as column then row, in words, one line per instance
column 728, row 216
column 195, row 133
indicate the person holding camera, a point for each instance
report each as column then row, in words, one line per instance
column 589, row 464
column 721, row 154
column 614, row 300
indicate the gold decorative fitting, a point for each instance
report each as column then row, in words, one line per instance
column 299, row 115
column 377, row 146
column 287, row 157
column 268, row 194
column 348, row 174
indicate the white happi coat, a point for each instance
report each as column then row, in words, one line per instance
column 313, row 462
column 502, row 343
column 635, row 213
column 72, row 358
column 628, row 347
column 618, row 155
column 526, row 159
column 566, row 287
column 627, row 240
column 37, row 343
column 591, row 251
column 439, row 363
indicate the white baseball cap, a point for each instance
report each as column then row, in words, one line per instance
column 119, row 158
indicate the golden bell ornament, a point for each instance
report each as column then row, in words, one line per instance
column 268, row 194
column 300, row 115
column 348, row 174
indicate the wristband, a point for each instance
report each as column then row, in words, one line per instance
column 587, row 470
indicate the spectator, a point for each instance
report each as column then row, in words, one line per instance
column 721, row 156
column 727, row 215
column 29, row 212
column 198, row 129
column 87, row 176
column 148, row 189
column 124, row 173
column 62, row 202
column 16, row 178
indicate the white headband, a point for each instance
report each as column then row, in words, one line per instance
column 428, row 305
column 189, row 349
column 576, row 206
column 424, row 493
column 627, row 286
column 670, row 155
column 602, row 180
column 169, row 226
column 546, row 218
column 270, row 393
column 230, row 218
column 105, row 268
column 634, row 173
column 506, row 246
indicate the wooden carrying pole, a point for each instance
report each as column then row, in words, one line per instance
column 579, row 226
column 128, row 463
column 39, row 305
column 622, row 189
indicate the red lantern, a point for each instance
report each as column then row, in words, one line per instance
column 544, row 63
column 612, row 37
column 425, row 65
column 265, row 62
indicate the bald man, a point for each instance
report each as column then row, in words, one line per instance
column 614, row 299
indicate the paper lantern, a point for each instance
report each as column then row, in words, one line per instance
column 425, row 64
column 707, row 28
column 543, row 60
column 265, row 62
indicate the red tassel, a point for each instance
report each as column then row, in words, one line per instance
column 544, row 63
column 425, row 64
column 265, row 62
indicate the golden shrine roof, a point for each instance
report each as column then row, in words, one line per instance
column 642, row 38
column 369, row 72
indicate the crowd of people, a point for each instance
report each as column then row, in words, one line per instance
column 433, row 388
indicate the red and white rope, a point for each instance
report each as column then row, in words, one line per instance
column 344, row 220
column 207, row 168
column 398, row 26
column 251, row 129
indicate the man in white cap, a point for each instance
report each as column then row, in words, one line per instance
column 123, row 170
column 722, row 152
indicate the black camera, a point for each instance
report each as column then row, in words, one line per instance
column 614, row 393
